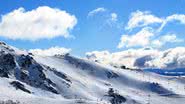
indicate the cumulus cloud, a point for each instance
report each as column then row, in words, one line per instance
column 51, row 51
column 142, row 58
column 40, row 23
column 146, row 37
column 139, row 19
column 142, row 38
column 97, row 10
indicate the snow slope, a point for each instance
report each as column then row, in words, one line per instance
column 64, row 79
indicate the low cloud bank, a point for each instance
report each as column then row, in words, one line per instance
column 142, row 58
column 51, row 51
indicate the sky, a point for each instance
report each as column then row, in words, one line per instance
column 81, row 26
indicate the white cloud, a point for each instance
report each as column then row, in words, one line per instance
column 97, row 10
column 40, row 23
column 152, row 38
column 177, row 17
column 148, row 36
column 126, row 57
column 142, row 58
column 169, row 38
column 112, row 20
column 139, row 19
column 51, row 51
column 171, row 58
column 106, row 18
column 142, row 38
column 114, row 16
column 101, row 56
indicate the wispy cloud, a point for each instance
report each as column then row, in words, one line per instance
column 114, row 17
column 107, row 18
column 174, row 17
column 97, row 10
column 169, row 38
column 140, row 19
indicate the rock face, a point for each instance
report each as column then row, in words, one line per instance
column 32, row 73
column 7, row 64
column 115, row 98
column 25, row 69
column 20, row 86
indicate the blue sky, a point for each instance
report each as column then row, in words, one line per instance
column 98, row 32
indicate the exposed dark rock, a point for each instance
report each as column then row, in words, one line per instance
column 32, row 73
column 81, row 101
column 79, row 63
column 6, row 47
column 9, row 102
column 49, row 88
column 3, row 73
column 61, row 75
column 25, row 61
column 115, row 97
column 2, row 43
column 157, row 88
column 25, row 69
column 20, row 86
column 30, row 54
column 123, row 67
column 112, row 75
column 107, row 84
column 23, row 75
column 39, row 79
column 7, row 62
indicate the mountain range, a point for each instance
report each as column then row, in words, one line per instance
column 27, row 78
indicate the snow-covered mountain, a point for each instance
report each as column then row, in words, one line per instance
column 63, row 79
